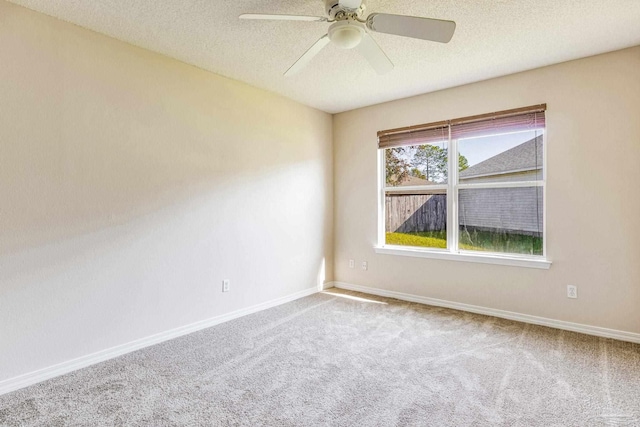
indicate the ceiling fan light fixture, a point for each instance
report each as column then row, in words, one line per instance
column 346, row 34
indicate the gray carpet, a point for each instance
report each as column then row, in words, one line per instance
column 330, row 360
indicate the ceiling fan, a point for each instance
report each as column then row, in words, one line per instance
column 349, row 30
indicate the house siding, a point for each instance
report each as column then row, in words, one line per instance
column 509, row 210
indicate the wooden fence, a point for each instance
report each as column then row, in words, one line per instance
column 418, row 212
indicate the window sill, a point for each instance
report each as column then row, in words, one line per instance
column 514, row 261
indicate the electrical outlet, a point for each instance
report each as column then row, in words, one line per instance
column 572, row 291
column 225, row 285
column 365, row 266
column 352, row 264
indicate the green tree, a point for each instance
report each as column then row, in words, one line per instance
column 426, row 162
column 397, row 168
column 431, row 162
column 417, row 173
column 463, row 163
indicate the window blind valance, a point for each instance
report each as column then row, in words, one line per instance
column 508, row 121
column 415, row 137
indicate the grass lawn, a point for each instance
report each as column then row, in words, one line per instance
column 427, row 239
column 474, row 240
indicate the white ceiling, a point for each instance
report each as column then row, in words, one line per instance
column 493, row 38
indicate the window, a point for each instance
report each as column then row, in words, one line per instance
column 469, row 188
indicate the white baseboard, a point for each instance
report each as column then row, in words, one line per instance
column 526, row 318
column 31, row 378
column 328, row 285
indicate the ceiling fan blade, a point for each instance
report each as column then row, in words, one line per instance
column 283, row 17
column 350, row 4
column 436, row 30
column 375, row 55
column 308, row 56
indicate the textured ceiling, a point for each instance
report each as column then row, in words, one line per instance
column 493, row 38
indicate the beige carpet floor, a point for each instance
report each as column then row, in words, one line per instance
column 346, row 359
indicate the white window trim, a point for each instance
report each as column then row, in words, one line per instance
column 453, row 253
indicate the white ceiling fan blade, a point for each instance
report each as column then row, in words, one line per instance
column 282, row 17
column 308, row 56
column 435, row 30
column 350, row 4
column 375, row 55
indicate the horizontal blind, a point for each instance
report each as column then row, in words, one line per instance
column 498, row 125
column 520, row 119
column 414, row 137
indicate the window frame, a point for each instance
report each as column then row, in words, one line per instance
column 452, row 188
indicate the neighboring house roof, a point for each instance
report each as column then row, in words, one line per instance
column 413, row 180
column 520, row 158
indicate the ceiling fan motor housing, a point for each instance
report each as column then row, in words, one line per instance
column 333, row 9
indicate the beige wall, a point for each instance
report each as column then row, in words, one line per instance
column 132, row 184
column 593, row 201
